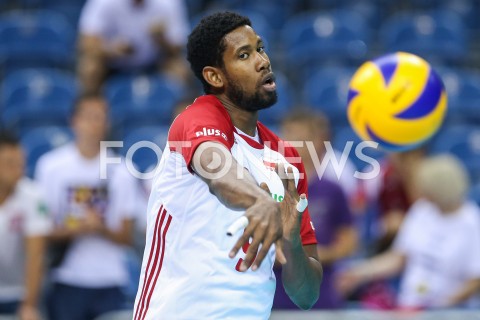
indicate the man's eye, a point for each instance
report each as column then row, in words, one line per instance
column 243, row 56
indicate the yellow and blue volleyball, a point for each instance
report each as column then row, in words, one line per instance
column 397, row 100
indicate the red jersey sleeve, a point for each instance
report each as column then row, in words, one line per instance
column 205, row 120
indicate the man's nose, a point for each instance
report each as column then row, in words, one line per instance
column 263, row 61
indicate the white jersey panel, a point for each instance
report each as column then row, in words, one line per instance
column 196, row 277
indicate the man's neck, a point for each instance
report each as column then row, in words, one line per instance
column 5, row 192
column 88, row 150
column 242, row 119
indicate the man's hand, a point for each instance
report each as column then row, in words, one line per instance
column 291, row 218
column 215, row 165
column 27, row 312
column 347, row 281
column 290, row 215
column 91, row 223
column 265, row 228
column 120, row 49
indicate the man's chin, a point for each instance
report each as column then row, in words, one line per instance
column 270, row 99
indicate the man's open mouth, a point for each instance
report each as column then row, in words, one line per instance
column 268, row 82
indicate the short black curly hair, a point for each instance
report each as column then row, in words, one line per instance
column 206, row 43
column 8, row 138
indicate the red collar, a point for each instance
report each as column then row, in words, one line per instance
column 251, row 142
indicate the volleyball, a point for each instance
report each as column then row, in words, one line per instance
column 396, row 100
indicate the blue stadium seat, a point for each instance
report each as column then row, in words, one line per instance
column 259, row 21
column 40, row 140
column 343, row 135
column 462, row 141
column 285, row 103
column 373, row 12
column 474, row 193
column 324, row 4
column 40, row 38
column 145, row 158
column 436, row 36
column 327, row 90
column 319, row 38
column 451, row 78
column 463, row 89
column 466, row 9
column 37, row 97
column 142, row 100
column 47, row 3
column 467, row 98
column 70, row 10
column 261, row 24
column 275, row 12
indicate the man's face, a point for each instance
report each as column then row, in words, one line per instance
column 90, row 122
column 12, row 163
column 298, row 131
column 249, row 83
column 305, row 131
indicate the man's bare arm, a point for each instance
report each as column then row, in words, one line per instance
column 237, row 189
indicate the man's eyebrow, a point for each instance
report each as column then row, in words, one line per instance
column 248, row 47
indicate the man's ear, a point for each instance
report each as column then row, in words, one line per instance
column 213, row 76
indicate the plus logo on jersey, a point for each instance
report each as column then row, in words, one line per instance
column 211, row 132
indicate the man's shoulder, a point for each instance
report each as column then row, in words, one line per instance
column 204, row 114
column 27, row 188
column 204, row 107
column 472, row 213
column 57, row 156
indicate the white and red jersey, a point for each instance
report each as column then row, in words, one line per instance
column 186, row 271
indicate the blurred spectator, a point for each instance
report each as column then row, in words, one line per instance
column 131, row 36
column 438, row 245
column 303, row 122
column 394, row 191
column 93, row 218
column 329, row 211
column 24, row 224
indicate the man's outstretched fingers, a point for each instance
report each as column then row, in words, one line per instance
column 279, row 255
column 291, row 183
column 251, row 254
column 264, row 187
column 267, row 243
column 280, row 169
column 241, row 241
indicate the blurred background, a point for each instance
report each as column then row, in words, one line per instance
column 49, row 55
column 315, row 46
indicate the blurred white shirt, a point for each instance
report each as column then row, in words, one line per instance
column 122, row 20
column 442, row 251
column 73, row 183
column 22, row 215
